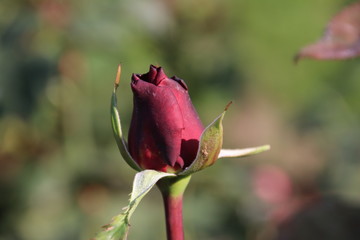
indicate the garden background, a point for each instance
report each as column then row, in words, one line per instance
column 61, row 175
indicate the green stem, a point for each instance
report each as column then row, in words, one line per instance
column 172, row 190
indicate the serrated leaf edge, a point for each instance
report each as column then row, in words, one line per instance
column 144, row 180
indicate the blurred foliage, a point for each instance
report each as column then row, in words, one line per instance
column 61, row 175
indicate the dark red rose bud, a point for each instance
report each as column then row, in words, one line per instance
column 165, row 128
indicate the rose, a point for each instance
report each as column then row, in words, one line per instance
column 165, row 127
column 167, row 135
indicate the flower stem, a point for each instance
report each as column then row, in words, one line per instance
column 172, row 190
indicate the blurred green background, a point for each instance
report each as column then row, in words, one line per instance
column 61, row 175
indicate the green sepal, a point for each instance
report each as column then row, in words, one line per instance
column 119, row 227
column 230, row 153
column 209, row 147
column 116, row 126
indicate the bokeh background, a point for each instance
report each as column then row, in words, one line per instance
column 61, row 175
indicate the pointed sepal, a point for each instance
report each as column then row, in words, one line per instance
column 231, row 153
column 116, row 126
column 119, row 227
column 211, row 141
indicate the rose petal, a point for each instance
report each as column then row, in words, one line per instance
column 341, row 39
column 193, row 127
column 157, row 132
